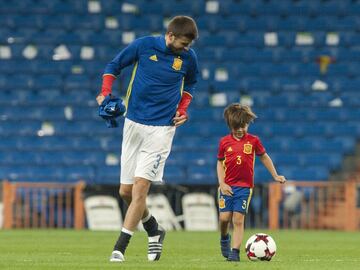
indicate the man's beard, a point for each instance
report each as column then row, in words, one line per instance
column 173, row 49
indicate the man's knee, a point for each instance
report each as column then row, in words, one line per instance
column 125, row 192
column 140, row 189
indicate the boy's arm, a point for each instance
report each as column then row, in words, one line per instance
column 269, row 165
column 225, row 188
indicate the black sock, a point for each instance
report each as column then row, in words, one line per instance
column 225, row 237
column 151, row 227
column 122, row 242
column 235, row 250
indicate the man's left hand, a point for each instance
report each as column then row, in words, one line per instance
column 178, row 120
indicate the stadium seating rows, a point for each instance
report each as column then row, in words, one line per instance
column 49, row 128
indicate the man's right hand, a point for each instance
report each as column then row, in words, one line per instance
column 100, row 98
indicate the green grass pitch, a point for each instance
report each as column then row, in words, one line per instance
column 68, row 249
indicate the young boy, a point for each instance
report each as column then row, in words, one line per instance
column 235, row 170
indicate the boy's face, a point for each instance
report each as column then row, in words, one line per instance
column 240, row 132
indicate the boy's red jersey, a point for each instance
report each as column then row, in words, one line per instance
column 238, row 156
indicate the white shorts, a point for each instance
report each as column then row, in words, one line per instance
column 144, row 151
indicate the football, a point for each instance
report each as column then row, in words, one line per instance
column 260, row 247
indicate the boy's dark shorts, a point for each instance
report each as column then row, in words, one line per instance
column 238, row 202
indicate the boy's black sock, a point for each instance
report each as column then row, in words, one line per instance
column 225, row 237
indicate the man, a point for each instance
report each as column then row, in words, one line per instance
column 160, row 90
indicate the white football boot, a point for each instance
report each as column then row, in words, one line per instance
column 155, row 246
column 117, row 256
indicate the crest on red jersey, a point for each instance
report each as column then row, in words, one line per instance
column 247, row 148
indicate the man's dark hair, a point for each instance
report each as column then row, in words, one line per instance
column 183, row 26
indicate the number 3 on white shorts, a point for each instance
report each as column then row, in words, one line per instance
column 158, row 158
column 156, row 165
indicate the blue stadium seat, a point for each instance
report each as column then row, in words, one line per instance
column 171, row 9
column 322, row 23
column 153, row 7
column 7, row 21
column 17, row 158
column 287, row 38
column 78, row 81
column 28, row 21
column 348, row 39
column 71, row 38
column 23, row 127
column 262, row 23
column 350, row 98
column 251, row 84
column 230, row 7
column 48, row 81
column 111, row 7
column 33, row 113
column 19, row 81
column 246, row 40
column 96, row 67
column 85, row 113
column 49, row 37
column 50, row 157
column 107, row 175
column 8, row 143
column 174, row 174
column 201, row 175
column 214, row 40
column 209, row 23
column 285, row 159
column 331, row 160
column 86, row 37
column 313, row 173
column 92, row 143
column 94, row 22
column 35, row 143
column 76, row 173
column 261, row 175
column 202, row 99
column 336, row 8
column 353, row 9
column 14, row 172
column 293, row 24
column 75, row 8
column 107, row 37
column 197, row 157
column 192, row 142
